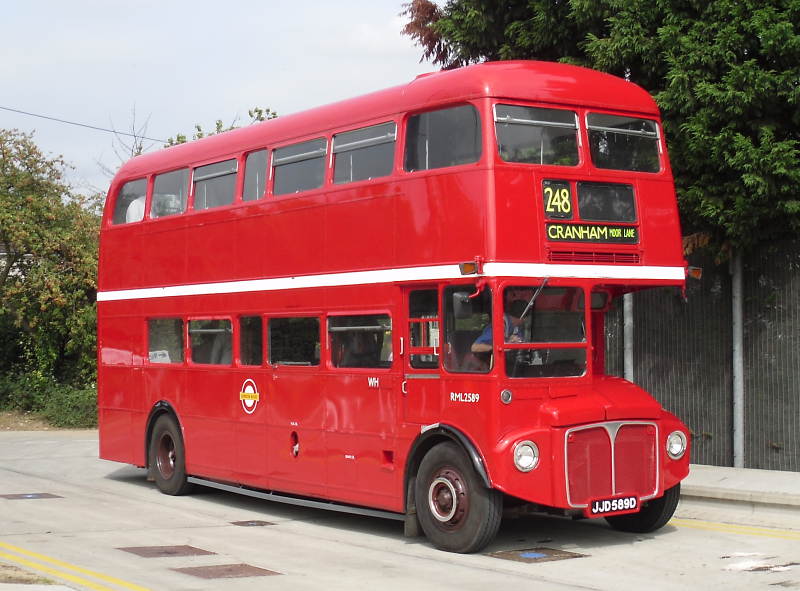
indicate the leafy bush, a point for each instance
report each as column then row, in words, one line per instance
column 62, row 405
column 71, row 407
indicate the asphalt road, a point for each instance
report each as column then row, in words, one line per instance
column 106, row 528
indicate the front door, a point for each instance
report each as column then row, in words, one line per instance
column 422, row 359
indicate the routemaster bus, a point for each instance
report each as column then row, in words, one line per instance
column 395, row 305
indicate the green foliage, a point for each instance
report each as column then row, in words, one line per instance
column 725, row 73
column 62, row 405
column 47, row 275
column 256, row 114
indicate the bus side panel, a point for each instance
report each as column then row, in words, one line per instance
column 289, row 241
column 360, row 437
column 458, row 198
column 360, row 228
column 295, row 432
column 120, row 393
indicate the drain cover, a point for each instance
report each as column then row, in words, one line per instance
column 163, row 551
column 25, row 496
column 535, row 555
column 225, row 571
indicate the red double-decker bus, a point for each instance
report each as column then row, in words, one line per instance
column 395, row 304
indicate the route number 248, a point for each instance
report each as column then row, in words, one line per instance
column 557, row 200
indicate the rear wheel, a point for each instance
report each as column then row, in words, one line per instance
column 167, row 457
column 456, row 511
column 652, row 516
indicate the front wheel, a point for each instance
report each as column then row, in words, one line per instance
column 652, row 516
column 456, row 511
column 167, row 457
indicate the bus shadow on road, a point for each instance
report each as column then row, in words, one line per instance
column 517, row 533
column 578, row 535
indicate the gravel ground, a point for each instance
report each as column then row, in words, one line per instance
column 12, row 574
column 19, row 421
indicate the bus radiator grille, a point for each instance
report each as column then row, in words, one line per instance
column 592, row 451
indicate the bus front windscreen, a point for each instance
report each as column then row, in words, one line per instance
column 544, row 332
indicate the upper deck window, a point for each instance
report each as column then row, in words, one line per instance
column 214, row 184
column 129, row 206
column 299, row 167
column 362, row 154
column 255, row 175
column 623, row 143
column 446, row 137
column 537, row 136
column 169, row 193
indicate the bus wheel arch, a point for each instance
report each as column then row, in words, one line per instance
column 468, row 470
column 454, row 508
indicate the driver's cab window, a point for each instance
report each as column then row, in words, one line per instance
column 468, row 329
column 545, row 331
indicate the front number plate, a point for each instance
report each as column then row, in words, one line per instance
column 612, row 506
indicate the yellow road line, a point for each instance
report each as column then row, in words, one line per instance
column 65, row 566
column 782, row 534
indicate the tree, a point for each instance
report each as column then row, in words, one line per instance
column 47, row 274
column 256, row 114
column 725, row 73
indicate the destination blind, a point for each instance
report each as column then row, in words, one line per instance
column 610, row 233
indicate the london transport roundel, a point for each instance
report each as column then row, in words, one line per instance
column 249, row 396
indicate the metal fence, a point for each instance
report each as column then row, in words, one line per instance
column 682, row 355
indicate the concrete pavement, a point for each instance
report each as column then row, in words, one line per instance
column 766, row 499
column 760, row 497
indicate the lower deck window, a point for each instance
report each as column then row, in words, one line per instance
column 250, row 340
column 294, row 341
column 211, row 341
column 165, row 340
column 361, row 341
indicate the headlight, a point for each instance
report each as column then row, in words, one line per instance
column 526, row 456
column 676, row 445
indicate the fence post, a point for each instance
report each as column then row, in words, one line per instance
column 627, row 336
column 738, row 360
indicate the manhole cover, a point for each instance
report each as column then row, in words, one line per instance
column 535, row 555
column 225, row 571
column 163, row 551
column 251, row 523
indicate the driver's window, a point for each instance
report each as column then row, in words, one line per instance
column 550, row 317
column 468, row 317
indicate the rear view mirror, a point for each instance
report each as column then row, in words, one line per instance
column 462, row 305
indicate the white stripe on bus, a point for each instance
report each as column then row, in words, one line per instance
column 528, row 270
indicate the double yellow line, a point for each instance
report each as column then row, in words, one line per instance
column 63, row 570
column 745, row 530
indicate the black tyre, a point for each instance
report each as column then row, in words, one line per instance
column 456, row 511
column 652, row 516
column 167, row 457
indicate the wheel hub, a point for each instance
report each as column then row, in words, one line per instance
column 165, row 458
column 447, row 498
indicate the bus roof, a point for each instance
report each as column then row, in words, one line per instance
column 543, row 82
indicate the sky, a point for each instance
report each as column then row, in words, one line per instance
column 170, row 64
